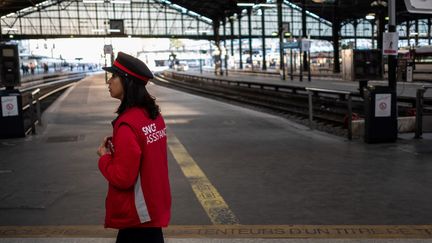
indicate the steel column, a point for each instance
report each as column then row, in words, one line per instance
column 407, row 31
column 429, row 31
column 232, row 37
column 280, row 28
column 372, row 34
column 149, row 17
column 392, row 59
column 264, row 65
column 225, row 46
column 78, row 15
column 132, row 18
column 335, row 29
column 304, row 34
column 240, row 41
column 182, row 23
column 166, row 19
column 416, row 31
column 249, row 12
column 355, row 24
column 59, row 17
column 40, row 21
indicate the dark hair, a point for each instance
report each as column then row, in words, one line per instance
column 135, row 94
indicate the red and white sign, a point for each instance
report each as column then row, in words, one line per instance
column 382, row 105
column 390, row 43
column 9, row 106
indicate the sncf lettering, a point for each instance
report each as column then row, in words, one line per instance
column 149, row 129
column 155, row 136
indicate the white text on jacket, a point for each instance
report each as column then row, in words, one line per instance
column 152, row 134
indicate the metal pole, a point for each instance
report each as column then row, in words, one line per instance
column 240, row 41
column 310, row 109
column 304, row 34
column 38, row 110
column 232, row 37
column 1, row 33
column 309, row 69
column 225, row 47
column 291, row 64
column 429, row 31
column 392, row 59
column 416, row 25
column 32, row 118
column 301, row 64
column 281, row 55
column 419, row 113
column 249, row 12
column 355, row 23
column 264, row 65
column 349, row 117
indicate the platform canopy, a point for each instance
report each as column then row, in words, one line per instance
column 345, row 10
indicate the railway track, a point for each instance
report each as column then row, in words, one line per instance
column 330, row 113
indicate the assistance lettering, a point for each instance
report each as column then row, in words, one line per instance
column 152, row 134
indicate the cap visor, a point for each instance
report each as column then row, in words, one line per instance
column 109, row 69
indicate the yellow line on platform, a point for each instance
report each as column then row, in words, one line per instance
column 233, row 231
column 210, row 199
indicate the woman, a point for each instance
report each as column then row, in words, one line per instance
column 134, row 160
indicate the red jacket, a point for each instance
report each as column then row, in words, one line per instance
column 137, row 171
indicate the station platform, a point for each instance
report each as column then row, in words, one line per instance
column 273, row 180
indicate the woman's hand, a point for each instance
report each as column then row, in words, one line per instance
column 102, row 150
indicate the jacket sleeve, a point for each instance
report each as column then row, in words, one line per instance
column 121, row 168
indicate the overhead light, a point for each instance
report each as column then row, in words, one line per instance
column 267, row 5
column 98, row 30
column 93, row 1
column 324, row 1
column 114, row 30
column 274, row 33
column 10, row 29
column 413, row 34
column 245, row 4
column 121, row 1
column 379, row 3
column 204, row 31
column 370, row 16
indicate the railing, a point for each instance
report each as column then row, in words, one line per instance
column 35, row 99
column 37, row 94
column 344, row 94
column 420, row 110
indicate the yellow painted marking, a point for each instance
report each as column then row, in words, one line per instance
column 210, row 199
column 233, row 231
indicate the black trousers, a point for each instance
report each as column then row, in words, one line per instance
column 140, row 235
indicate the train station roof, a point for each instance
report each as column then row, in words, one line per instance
column 345, row 10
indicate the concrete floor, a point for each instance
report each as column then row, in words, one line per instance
column 268, row 170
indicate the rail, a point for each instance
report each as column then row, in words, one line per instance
column 344, row 94
column 420, row 110
column 33, row 96
column 275, row 87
